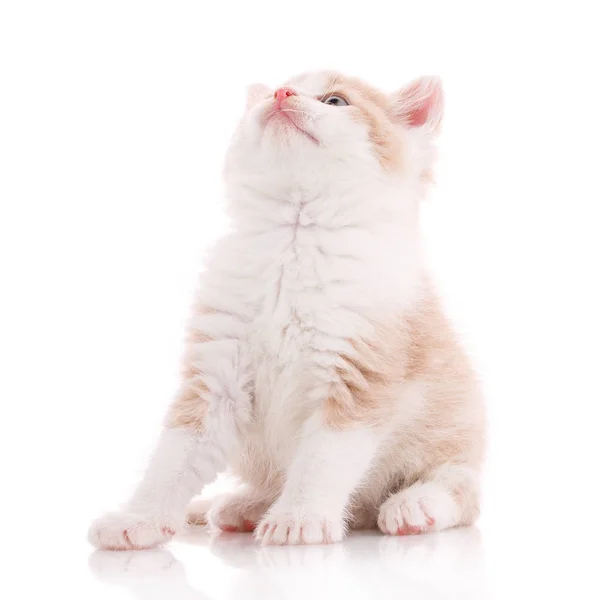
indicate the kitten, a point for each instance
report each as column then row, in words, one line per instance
column 320, row 369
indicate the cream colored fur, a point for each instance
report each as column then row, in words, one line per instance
column 320, row 369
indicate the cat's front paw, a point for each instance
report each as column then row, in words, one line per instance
column 130, row 531
column 297, row 527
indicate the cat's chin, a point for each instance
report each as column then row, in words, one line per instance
column 286, row 122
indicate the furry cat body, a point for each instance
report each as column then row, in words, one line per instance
column 319, row 368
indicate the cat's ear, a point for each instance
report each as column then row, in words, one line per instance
column 420, row 104
column 256, row 92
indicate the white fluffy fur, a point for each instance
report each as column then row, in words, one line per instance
column 326, row 468
column 324, row 247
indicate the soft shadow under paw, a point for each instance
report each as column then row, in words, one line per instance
column 148, row 574
column 115, row 567
column 366, row 564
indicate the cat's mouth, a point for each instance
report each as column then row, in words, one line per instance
column 289, row 116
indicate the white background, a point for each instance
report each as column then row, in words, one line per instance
column 114, row 116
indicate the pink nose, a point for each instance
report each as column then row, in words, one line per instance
column 281, row 94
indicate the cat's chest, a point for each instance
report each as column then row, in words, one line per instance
column 300, row 278
column 305, row 273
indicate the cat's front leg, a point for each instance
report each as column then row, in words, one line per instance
column 203, row 428
column 328, row 467
column 177, row 470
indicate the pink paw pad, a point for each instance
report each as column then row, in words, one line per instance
column 249, row 525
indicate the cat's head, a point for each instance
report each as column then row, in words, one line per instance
column 321, row 125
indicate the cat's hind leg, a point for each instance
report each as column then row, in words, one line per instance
column 449, row 497
column 236, row 511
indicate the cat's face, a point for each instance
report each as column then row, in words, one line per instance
column 324, row 122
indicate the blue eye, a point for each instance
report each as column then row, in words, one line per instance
column 335, row 101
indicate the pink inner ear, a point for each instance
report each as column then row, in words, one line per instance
column 418, row 115
column 420, row 103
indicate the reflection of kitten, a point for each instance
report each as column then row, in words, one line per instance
column 320, row 368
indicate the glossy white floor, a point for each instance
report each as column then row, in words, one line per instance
column 506, row 556
column 232, row 566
